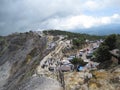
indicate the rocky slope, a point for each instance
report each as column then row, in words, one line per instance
column 23, row 54
column 101, row 80
column 20, row 54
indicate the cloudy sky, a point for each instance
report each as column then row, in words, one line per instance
column 25, row 15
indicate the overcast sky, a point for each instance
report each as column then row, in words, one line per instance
column 25, row 15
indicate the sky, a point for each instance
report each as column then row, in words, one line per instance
column 25, row 15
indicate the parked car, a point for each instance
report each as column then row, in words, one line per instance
column 94, row 48
column 82, row 50
column 81, row 53
column 89, row 54
column 51, row 68
column 70, row 58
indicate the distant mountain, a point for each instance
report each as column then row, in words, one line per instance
column 101, row 30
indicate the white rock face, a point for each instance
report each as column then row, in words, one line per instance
column 49, row 84
column 4, row 73
column 41, row 83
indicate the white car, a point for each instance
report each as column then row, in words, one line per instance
column 81, row 50
column 81, row 53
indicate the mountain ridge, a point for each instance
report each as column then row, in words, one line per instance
column 100, row 30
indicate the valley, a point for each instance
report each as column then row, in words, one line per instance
column 40, row 61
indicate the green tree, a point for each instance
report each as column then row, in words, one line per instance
column 76, row 42
column 78, row 61
column 110, row 41
column 102, row 54
column 118, row 42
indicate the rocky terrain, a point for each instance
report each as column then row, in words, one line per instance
column 23, row 55
column 20, row 54
column 101, row 80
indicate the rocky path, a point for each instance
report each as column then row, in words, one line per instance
column 44, row 72
column 59, row 47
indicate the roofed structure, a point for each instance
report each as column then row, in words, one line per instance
column 115, row 55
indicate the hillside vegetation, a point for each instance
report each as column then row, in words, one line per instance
column 71, row 35
column 103, row 54
column 78, row 40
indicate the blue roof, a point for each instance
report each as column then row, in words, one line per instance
column 80, row 68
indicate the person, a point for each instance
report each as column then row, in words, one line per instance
column 43, row 66
column 85, row 78
column 91, row 66
column 87, row 49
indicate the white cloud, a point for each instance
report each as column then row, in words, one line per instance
column 115, row 16
column 105, row 20
column 19, row 15
column 92, row 5
column 80, row 21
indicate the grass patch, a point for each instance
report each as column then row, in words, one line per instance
column 100, row 75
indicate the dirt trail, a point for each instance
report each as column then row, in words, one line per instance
column 52, row 54
column 55, row 54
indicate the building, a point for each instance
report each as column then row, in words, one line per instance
column 66, row 68
column 115, row 56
